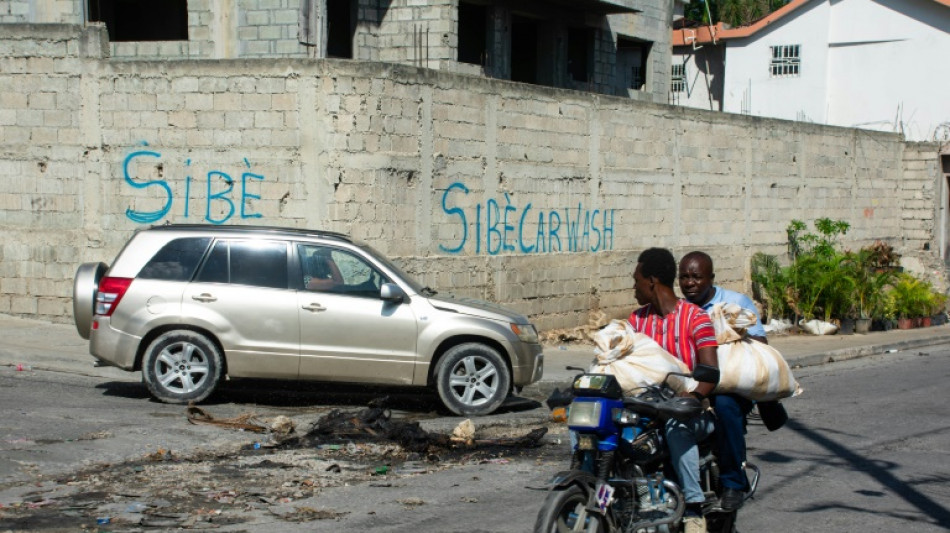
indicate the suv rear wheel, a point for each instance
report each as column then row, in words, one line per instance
column 182, row 366
column 472, row 379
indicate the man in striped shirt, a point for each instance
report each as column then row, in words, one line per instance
column 684, row 330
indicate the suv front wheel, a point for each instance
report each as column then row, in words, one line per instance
column 472, row 379
column 182, row 366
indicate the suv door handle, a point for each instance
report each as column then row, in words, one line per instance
column 315, row 307
column 204, row 297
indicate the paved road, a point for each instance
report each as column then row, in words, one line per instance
column 866, row 450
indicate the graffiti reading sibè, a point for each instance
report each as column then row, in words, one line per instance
column 215, row 193
column 500, row 229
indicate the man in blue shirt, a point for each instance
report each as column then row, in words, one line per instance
column 696, row 283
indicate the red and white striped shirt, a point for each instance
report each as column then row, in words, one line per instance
column 681, row 332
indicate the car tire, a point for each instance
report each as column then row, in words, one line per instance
column 182, row 366
column 472, row 379
column 85, row 285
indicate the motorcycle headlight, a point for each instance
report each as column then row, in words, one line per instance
column 526, row 332
column 584, row 415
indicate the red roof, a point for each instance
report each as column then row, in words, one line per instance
column 719, row 32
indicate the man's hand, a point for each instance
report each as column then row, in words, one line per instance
column 710, row 357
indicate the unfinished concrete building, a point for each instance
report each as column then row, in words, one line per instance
column 615, row 47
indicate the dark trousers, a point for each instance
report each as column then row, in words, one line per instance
column 731, row 411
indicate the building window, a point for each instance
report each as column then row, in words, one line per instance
column 341, row 27
column 633, row 60
column 473, row 33
column 637, row 77
column 580, row 51
column 678, row 79
column 142, row 20
column 786, row 61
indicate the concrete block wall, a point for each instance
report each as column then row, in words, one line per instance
column 533, row 197
column 419, row 33
column 651, row 24
column 919, row 192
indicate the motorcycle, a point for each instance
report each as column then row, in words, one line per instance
column 620, row 479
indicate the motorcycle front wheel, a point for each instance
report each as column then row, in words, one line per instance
column 566, row 510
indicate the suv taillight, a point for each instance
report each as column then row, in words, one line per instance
column 110, row 293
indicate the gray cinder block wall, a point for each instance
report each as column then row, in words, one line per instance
column 533, row 197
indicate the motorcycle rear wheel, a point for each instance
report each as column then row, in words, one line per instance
column 565, row 510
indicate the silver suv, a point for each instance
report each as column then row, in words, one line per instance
column 190, row 304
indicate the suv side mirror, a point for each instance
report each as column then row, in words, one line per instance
column 392, row 293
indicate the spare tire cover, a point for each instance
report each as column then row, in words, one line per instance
column 85, row 286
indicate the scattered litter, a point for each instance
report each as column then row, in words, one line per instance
column 136, row 507
column 20, row 367
column 381, row 470
column 333, row 468
column 595, row 320
column 302, row 514
column 464, row 432
column 245, row 422
column 375, row 423
column 103, row 520
column 468, row 499
column 891, row 351
column 160, row 454
column 412, row 502
column 282, row 426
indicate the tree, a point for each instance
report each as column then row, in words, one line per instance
column 732, row 12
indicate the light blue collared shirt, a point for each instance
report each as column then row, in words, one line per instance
column 726, row 296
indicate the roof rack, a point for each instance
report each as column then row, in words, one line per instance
column 273, row 230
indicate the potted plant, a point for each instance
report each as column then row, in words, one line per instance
column 866, row 283
column 911, row 299
column 935, row 305
column 938, row 310
column 882, row 257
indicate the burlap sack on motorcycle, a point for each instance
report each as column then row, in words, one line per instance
column 748, row 367
column 635, row 359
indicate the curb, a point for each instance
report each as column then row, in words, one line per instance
column 845, row 354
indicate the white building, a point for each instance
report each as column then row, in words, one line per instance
column 873, row 64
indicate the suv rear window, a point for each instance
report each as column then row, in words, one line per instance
column 255, row 263
column 177, row 260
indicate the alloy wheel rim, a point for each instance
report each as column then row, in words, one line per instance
column 182, row 367
column 474, row 380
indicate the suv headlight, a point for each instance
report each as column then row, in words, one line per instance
column 526, row 332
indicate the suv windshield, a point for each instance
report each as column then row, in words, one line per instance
column 392, row 266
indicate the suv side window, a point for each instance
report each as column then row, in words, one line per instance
column 255, row 263
column 327, row 269
column 177, row 260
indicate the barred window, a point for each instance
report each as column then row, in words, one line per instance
column 786, row 61
column 678, row 79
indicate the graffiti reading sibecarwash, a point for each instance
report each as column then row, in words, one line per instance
column 497, row 228
column 217, row 188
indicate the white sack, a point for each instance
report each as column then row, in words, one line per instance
column 748, row 367
column 777, row 326
column 818, row 327
column 635, row 359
